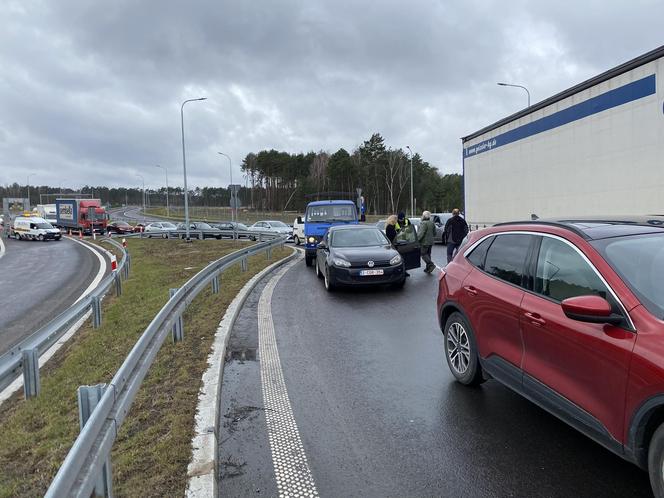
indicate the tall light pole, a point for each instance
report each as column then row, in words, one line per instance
column 184, row 168
column 230, row 169
column 31, row 174
column 143, row 180
column 517, row 86
column 412, row 202
column 168, row 208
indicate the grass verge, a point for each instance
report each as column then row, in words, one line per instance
column 153, row 448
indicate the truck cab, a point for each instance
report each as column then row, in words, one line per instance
column 319, row 217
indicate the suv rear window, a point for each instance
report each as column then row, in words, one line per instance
column 478, row 255
column 506, row 258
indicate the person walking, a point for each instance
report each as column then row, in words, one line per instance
column 425, row 237
column 390, row 228
column 456, row 229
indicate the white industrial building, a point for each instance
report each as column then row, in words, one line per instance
column 595, row 149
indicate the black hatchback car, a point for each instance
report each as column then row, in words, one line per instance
column 359, row 255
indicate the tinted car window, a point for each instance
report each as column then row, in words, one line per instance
column 639, row 260
column 506, row 258
column 562, row 273
column 407, row 234
column 479, row 253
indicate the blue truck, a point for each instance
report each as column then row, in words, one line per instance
column 321, row 215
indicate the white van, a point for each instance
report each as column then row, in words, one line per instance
column 298, row 230
column 33, row 228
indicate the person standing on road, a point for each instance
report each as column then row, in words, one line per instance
column 402, row 222
column 456, row 229
column 390, row 228
column 425, row 237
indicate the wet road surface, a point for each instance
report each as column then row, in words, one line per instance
column 39, row 280
column 379, row 414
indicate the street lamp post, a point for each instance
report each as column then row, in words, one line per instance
column 412, row 198
column 230, row 169
column 184, row 169
column 517, row 86
column 168, row 208
column 31, row 174
column 143, row 180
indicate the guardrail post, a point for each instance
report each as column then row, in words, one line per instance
column 215, row 284
column 268, row 252
column 200, row 235
column 260, row 237
column 31, row 386
column 244, row 264
column 118, row 284
column 177, row 332
column 96, row 311
column 88, row 398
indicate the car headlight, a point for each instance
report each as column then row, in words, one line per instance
column 396, row 260
column 341, row 262
column 311, row 240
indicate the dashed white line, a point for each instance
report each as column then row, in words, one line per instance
column 294, row 477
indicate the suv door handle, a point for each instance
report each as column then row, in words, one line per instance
column 470, row 290
column 535, row 318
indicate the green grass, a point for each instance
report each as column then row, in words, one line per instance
column 153, row 448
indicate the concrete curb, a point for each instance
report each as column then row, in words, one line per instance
column 203, row 464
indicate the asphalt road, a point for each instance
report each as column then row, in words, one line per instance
column 131, row 214
column 379, row 414
column 39, row 280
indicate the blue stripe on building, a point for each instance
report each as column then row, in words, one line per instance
column 613, row 98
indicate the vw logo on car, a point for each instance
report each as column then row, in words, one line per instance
column 370, row 264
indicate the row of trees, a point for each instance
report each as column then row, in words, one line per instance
column 280, row 181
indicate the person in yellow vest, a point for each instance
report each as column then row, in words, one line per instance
column 402, row 222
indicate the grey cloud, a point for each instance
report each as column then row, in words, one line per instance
column 91, row 92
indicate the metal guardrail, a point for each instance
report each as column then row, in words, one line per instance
column 24, row 356
column 103, row 408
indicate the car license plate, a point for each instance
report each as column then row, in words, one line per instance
column 366, row 273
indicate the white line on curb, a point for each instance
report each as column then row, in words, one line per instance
column 48, row 354
column 202, row 466
column 294, row 477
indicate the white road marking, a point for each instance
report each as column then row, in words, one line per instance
column 2, row 247
column 100, row 273
column 294, row 478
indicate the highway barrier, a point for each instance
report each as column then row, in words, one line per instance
column 23, row 358
column 103, row 407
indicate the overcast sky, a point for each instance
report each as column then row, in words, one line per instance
column 90, row 92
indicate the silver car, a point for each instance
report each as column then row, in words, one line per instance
column 271, row 227
column 159, row 229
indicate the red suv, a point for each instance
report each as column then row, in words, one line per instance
column 569, row 314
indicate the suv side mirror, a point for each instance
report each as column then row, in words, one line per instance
column 299, row 219
column 591, row 309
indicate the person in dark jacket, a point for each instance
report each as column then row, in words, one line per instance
column 390, row 228
column 456, row 230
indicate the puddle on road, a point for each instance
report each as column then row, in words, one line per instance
column 241, row 355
